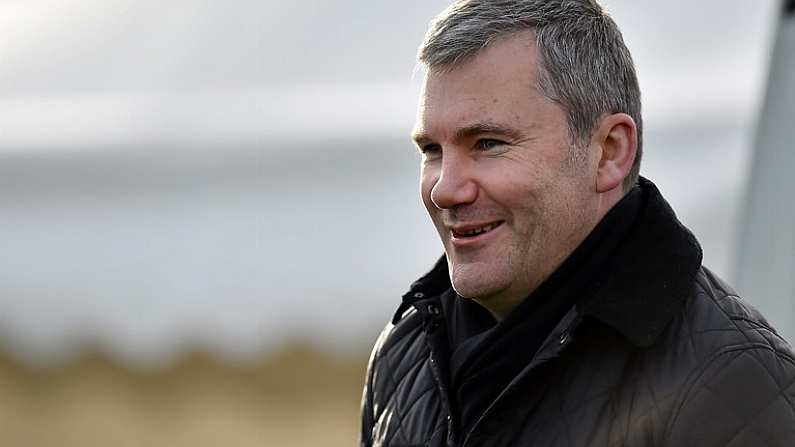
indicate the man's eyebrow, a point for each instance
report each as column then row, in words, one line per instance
column 486, row 127
column 472, row 130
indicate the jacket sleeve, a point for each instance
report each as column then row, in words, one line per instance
column 366, row 435
column 745, row 396
column 369, row 403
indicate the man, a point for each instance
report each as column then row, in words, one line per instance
column 571, row 307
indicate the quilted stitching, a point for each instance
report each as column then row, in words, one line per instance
column 401, row 383
column 763, row 414
column 689, row 389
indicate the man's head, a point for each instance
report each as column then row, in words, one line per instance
column 529, row 125
column 584, row 65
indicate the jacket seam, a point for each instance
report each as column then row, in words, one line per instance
column 732, row 317
column 367, row 406
column 706, row 283
column 395, row 386
column 690, row 384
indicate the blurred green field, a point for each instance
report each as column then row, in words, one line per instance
column 298, row 396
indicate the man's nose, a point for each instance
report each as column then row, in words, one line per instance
column 456, row 184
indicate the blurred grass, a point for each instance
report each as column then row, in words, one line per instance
column 298, row 396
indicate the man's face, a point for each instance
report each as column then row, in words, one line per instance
column 498, row 178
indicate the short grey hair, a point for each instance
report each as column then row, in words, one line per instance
column 585, row 65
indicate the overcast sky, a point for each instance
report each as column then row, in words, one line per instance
column 92, row 72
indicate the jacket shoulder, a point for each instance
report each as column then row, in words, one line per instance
column 399, row 348
column 742, row 392
column 398, row 339
column 718, row 312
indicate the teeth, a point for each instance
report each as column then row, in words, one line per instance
column 478, row 231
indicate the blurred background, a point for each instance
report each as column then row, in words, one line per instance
column 209, row 209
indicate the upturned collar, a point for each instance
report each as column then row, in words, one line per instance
column 642, row 286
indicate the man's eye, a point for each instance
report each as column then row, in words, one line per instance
column 488, row 144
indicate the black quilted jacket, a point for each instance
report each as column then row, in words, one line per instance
column 661, row 353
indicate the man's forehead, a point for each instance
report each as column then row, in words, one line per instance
column 465, row 102
column 507, row 64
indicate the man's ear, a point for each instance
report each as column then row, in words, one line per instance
column 617, row 136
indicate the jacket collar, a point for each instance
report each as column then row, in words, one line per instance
column 652, row 274
column 642, row 287
column 430, row 285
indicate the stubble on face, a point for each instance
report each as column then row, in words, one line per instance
column 535, row 185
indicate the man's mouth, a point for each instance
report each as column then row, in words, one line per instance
column 472, row 231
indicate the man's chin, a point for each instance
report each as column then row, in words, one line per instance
column 473, row 283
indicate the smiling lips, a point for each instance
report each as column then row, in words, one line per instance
column 471, row 232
